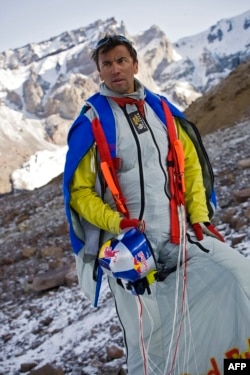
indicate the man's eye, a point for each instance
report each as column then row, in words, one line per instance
column 123, row 59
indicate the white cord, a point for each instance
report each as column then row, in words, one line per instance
column 173, row 348
column 142, row 345
column 149, row 359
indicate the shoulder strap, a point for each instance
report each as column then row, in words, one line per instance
column 194, row 134
column 104, row 112
column 175, row 158
column 104, row 132
column 107, row 167
column 175, row 163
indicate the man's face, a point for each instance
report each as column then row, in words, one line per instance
column 117, row 69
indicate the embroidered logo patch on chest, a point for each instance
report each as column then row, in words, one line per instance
column 138, row 122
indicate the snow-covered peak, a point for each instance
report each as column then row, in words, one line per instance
column 227, row 37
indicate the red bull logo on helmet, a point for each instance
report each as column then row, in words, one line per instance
column 127, row 257
column 110, row 253
column 140, row 263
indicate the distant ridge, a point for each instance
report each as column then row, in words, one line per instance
column 226, row 104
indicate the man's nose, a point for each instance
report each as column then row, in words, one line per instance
column 115, row 68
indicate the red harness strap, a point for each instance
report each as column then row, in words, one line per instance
column 175, row 162
column 108, row 167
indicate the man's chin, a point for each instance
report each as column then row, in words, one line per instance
column 119, row 88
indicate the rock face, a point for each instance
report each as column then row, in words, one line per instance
column 40, row 300
column 224, row 105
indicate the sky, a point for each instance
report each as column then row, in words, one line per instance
column 33, row 21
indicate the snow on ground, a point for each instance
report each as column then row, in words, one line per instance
column 71, row 326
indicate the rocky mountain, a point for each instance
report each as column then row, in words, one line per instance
column 43, row 86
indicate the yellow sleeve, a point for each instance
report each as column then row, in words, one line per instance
column 195, row 196
column 84, row 199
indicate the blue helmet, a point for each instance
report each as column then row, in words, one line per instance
column 127, row 256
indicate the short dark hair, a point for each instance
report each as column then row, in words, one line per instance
column 109, row 42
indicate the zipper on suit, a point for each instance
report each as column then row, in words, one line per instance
column 139, row 162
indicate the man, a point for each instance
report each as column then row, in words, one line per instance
column 186, row 318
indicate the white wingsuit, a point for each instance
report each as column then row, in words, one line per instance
column 200, row 314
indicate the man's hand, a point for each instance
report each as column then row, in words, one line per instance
column 132, row 223
column 206, row 228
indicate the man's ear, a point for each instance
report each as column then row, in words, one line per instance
column 136, row 67
column 100, row 75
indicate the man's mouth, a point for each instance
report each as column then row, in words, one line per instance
column 117, row 80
